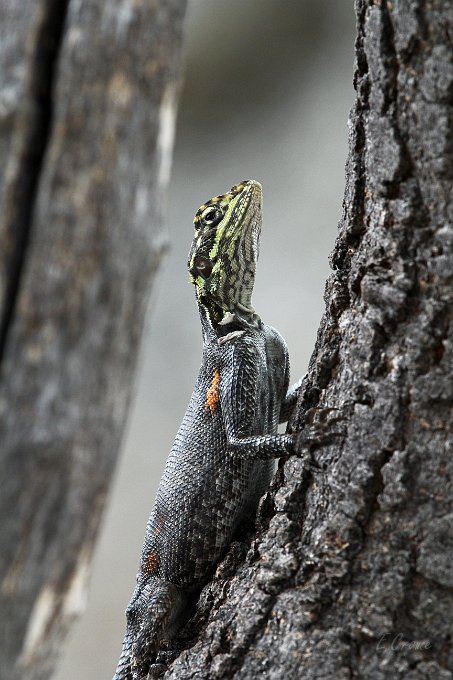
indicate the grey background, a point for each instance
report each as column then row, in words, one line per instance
column 267, row 94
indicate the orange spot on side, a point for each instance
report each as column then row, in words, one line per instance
column 151, row 562
column 213, row 392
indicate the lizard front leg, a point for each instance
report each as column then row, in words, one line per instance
column 240, row 398
column 265, row 447
column 261, row 447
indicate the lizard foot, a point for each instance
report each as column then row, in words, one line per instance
column 156, row 670
column 318, row 431
column 153, row 616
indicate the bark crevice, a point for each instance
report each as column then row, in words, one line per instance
column 31, row 135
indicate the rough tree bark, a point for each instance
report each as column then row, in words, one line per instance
column 352, row 573
column 88, row 94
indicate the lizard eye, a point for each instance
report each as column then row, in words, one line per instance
column 203, row 266
column 212, row 215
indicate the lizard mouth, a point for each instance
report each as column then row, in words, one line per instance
column 214, row 310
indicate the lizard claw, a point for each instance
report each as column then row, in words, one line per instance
column 313, row 439
column 156, row 670
column 318, row 431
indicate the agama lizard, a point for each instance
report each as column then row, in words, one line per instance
column 222, row 460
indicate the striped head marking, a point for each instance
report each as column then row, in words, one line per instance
column 224, row 252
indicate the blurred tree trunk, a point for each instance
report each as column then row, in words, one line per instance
column 88, row 95
column 353, row 574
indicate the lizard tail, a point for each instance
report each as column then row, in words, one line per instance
column 124, row 670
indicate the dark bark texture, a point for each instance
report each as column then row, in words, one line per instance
column 351, row 575
column 88, row 94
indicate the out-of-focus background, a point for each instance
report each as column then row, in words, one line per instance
column 268, row 88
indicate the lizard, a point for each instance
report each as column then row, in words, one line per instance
column 222, row 460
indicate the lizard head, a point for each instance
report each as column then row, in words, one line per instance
column 224, row 253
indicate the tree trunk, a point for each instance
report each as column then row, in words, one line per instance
column 352, row 572
column 87, row 104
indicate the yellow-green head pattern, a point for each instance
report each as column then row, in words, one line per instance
column 224, row 252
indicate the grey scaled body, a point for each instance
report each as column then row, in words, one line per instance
column 222, row 459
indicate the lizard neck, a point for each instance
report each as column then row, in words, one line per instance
column 230, row 322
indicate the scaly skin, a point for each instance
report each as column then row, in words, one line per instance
column 222, row 459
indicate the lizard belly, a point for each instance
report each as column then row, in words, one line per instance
column 203, row 496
